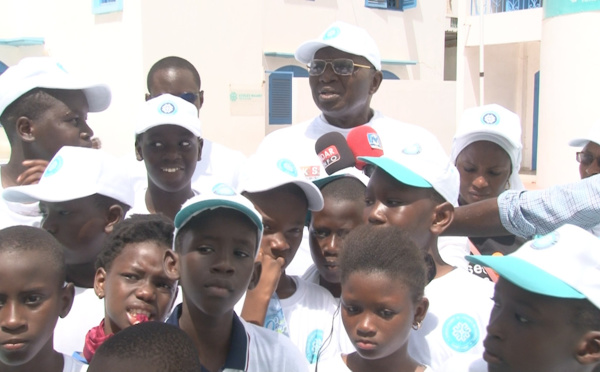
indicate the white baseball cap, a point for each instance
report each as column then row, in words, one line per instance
column 421, row 164
column 345, row 37
column 593, row 135
column 73, row 173
column 219, row 196
column 167, row 109
column 263, row 173
column 564, row 264
column 496, row 124
column 46, row 72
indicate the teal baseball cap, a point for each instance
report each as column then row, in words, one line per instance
column 564, row 263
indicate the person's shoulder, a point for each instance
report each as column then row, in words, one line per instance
column 272, row 351
column 73, row 365
column 311, row 274
column 314, row 292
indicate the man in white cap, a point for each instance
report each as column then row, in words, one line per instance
column 344, row 65
column 42, row 108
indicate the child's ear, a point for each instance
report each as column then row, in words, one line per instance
column 67, row 295
column 443, row 216
column 138, row 151
column 115, row 214
column 421, row 310
column 255, row 275
column 25, row 129
column 200, row 145
column 99, row 281
column 171, row 264
column 588, row 350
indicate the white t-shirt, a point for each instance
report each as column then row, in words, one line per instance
column 459, row 311
column 309, row 315
column 87, row 312
column 337, row 365
column 453, row 250
column 271, row 351
column 297, row 143
column 465, row 363
column 139, row 202
column 13, row 214
column 73, row 365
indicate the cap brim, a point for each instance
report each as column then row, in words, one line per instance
column 98, row 96
column 579, row 142
column 397, row 170
column 527, row 276
column 195, row 209
column 35, row 193
column 306, row 51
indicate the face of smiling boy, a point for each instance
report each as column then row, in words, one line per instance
column 135, row 287
column 31, row 300
column 170, row 153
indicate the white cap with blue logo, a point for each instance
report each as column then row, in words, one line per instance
column 74, row 173
column 345, row 37
column 423, row 163
column 263, row 173
column 167, row 109
column 564, row 264
column 46, row 72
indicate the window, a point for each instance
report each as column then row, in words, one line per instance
column 280, row 97
column 400, row 5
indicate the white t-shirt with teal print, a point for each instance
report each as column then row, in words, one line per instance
column 306, row 317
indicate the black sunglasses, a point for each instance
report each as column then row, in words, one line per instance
column 586, row 158
column 341, row 66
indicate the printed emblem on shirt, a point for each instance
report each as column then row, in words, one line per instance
column 288, row 167
column 311, row 172
column 460, row 332
column 313, row 345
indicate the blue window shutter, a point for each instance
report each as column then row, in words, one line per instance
column 280, row 97
column 391, row 4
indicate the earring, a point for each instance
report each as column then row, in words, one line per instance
column 416, row 326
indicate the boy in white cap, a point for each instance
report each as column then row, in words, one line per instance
column 547, row 305
column 217, row 236
column 82, row 196
column 486, row 150
column 416, row 188
column 42, row 108
column 169, row 141
column 286, row 304
column 344, row 66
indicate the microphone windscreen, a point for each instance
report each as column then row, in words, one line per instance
column 334, row 152
column 364, row 141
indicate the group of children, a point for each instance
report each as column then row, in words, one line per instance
column 172, row 275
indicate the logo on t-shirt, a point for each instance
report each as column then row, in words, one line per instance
column 460, row 332
column 288, row 167
column 313, row 345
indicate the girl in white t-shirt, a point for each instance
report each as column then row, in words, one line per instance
column 383, row 277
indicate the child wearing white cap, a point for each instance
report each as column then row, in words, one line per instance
column 82, row 197
column 286, row 304
column 42, row 108
column 416, row 188
column 486, row 150
column 169, row 141
column 547, row 305
column 217, row 236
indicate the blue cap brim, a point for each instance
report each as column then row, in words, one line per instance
column 527, row 276
column 187, row 213
column 397, row 170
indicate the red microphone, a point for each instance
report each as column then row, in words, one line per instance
column 364, row 141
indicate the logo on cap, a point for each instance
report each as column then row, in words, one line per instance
column 413, row 149
column 288, row 167
column 331, row 33
column 61, row 67
column 374, row 141
column 223, row 190
column 168, row 108
column 54, row 166
column 545, row 241
column 489, row 118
